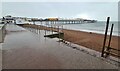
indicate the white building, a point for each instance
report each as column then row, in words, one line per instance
column 9, row 19
column 20, row 21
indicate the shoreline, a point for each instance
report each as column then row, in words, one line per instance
column 94, row 32
column 89, row 40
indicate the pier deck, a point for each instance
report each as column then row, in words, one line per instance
column 23, row 49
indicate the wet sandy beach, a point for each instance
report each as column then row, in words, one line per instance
column 23, row 49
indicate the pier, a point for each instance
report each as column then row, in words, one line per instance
column 63, row 21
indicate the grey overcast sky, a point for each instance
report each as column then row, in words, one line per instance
column 89, row 10
column 59, row 0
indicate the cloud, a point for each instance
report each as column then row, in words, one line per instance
column 82, row 15
column 97, row 11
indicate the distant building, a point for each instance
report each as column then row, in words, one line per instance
column 8, row 19
column 20, row 21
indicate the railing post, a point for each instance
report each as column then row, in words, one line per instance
column 52, row 28
column 110, row 39
column 45, row 27
column 104, row 42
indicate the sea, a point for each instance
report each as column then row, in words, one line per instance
column 96, row 27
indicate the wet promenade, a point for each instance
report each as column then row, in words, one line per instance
column 23, row 49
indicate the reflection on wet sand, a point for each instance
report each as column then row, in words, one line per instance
column 27, row 50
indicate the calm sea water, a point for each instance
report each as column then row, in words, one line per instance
column 98, row 27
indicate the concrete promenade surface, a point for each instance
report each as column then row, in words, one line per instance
column 23, row 49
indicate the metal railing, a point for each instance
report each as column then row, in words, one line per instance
column 107, row 50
